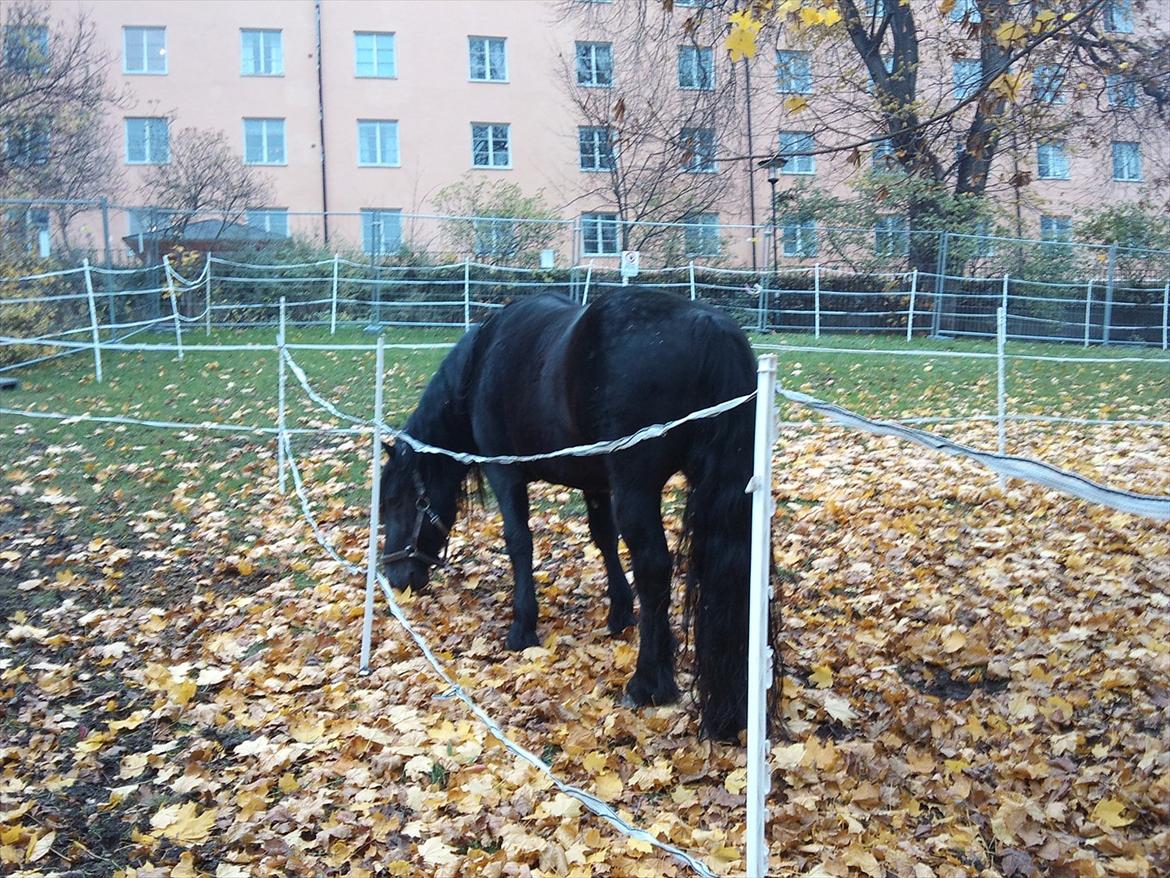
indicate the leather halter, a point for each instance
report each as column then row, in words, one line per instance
column 424, row 513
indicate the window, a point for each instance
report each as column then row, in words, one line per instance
column 966, row 9
column 798, row 236
column 261, row 53
column 264, row 142
column 381, row 231
column 791, row 144
column 1055, row 229
column 144, row 50
column 883, row 159
column 793, row 72
column 595, row 64
column 1122, row 91
column 272, row 220
column 698, row 145
column 1052, row 161
column 968, row 76
column 374, row 54
column 147, row 141
column 1119, row 16
column 494, row 236
column 984, row 238
column 377, row 143
column 696, row 68
column 1046, row 82
column 599, row 234
column 490, row 146
column 27, row 144
column 488, row 60
column 595, row 147
column 891, row 236
column 26, row 48
column 690, row 4
column 1127, row 160
column 701, row 234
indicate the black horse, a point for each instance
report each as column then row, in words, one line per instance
column 544, row 374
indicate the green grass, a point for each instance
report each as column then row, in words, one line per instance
column 240, row 387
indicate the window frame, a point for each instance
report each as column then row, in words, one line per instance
column 796, row 230
column 703, row 146
column 368, row 215
column 146, row 139
column 898, row 229
column 251, row 214
column 379, row 150
column 594, row 68
column 705, row 227
column 597, row 154
column 699, row 71
column 784, row 72
column 1115, row 11
column 600, row 221
column 487, row 41
column 375, row 34
column 261, row 32
column 264, row 140
column 1134, row 159
column 1060, row 225
column 144, row 31
column 969, row 87
column 1050, row 153
column 491, row 126
column 33, row 139
column 790, row 166
column 17, row 44
column 1047, row 81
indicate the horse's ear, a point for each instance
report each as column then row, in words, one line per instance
column 388, row 447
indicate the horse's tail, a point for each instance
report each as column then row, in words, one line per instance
column 717, row 527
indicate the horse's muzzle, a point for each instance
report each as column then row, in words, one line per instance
column 407, row 573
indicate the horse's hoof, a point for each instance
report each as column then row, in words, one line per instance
column 642, row 694
column 621, row 623
column 518, row 640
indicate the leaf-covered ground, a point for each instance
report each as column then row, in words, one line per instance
column 975, row 680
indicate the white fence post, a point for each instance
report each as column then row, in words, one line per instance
column 588, row 278
column 333, row 302
column 174, row 304
column 207, row 296
column 817, row 300
column 1165, row 314
column 913, row 296
column 375, row 503
column 759, row 677
column 691, row 271
column 1088, row 309
column 762, row 307
column 1004, row 297
column 466, row 295
column 93, row 322
column 1000, row 382
column 281, row 464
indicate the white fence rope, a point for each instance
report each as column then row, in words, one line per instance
column 591, row 802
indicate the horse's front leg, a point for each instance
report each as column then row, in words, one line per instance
column 604, row 532
column 512, row 494
column 639, row 515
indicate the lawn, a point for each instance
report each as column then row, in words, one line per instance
column 975, row 677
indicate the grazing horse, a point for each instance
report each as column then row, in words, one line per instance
column 544, row 374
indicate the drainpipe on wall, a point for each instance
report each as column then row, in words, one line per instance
column 747, row 73
column 321, row 123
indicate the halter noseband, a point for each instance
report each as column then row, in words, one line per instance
column 424, row 513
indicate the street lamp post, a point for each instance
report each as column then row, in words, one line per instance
column 774, row 165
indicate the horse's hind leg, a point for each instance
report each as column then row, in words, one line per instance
column 639, row 516
column 604, row 532
column 512, row 495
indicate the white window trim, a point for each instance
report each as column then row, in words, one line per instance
column 596, row 153
column 698, row 53
column 381, row 213
column 262, row 30
column 393, row 35
column 689, row 168
column 1137, row 156
column 779, row 68
column 594, row 46
column 264, row 130
column 397, row 144
column 507, row 67
column 126, row 136
column 1053, row 150
column 788, row 165
column 598, row 218
column 491, row 167
column 269, row 213
column 804, row 229
column 165, row 54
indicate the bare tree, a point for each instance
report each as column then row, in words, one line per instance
column 204, row 175
column 654, row 115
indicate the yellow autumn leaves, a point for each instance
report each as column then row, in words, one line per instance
column 746, row 24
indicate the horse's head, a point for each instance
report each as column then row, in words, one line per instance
column 416, row 514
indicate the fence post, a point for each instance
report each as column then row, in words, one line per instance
column 375, row 497
column 588, row 278
column 466, row 295
column 1109, row 281
column 207, row 294
column 109, row 261
column 761, row 305
column 333, row 302
column 1088, row 309
column 170, row 276
column 759, row 677
column 817, row 300
column 281, row 464
column 940, row 285
column 1000, row 383
column 93, row 322
column 1165, row 313
column 1004, row 297
column 691, row 269
column 913, row 295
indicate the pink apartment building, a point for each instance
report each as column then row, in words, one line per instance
column 365, row 110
